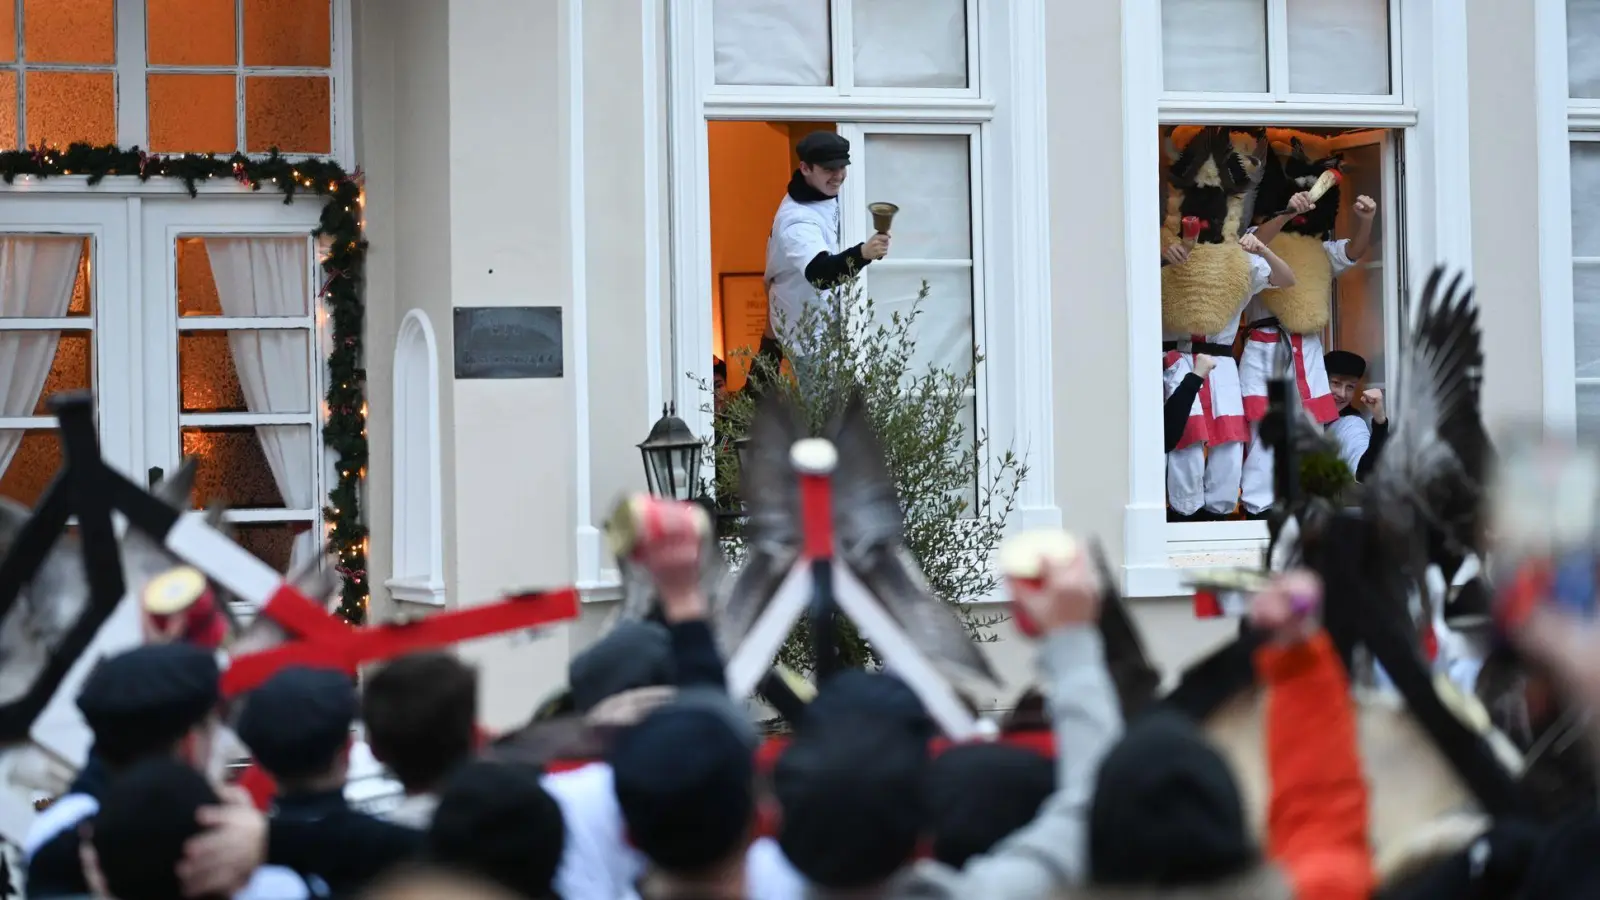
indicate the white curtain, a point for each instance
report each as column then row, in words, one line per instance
column 910, row 43
column 1214, row 45
column 36, row 279
column 1583, row 49
column 772, row 42
column 267, row 277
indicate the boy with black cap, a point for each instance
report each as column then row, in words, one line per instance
column 153, row 701
column 1360, row 443
column 298, row 727
column 495, row 821
column 803, row 255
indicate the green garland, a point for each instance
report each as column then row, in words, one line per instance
column 346, row 429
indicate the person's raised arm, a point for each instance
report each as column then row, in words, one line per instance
column 673, row 555
column 1282, row 275
column 1317, row 814
column 1299, row 204
column 1366, row 210
column 1181, row 402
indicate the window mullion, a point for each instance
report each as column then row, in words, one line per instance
column 133, row 124
column 238, row 76
column 843, row 55
column 1278, row 49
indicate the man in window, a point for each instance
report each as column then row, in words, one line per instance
column 803, row 255
column 1360, row 444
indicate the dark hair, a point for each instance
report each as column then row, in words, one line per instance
column 147, row 815
column 496, row 821
column 421, row 714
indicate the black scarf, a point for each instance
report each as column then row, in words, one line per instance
column 802, row 192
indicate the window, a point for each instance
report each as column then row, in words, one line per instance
column 1583, row 83
column 1308, row 50
column 418, row 519
column 848, row 46
column 249, row 405
column 46, row 346
column 174, row 76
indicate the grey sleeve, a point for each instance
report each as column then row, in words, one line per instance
column 1052, row 853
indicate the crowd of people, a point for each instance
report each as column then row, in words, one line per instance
column 657, row 785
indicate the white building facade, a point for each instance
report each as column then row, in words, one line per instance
column 618, row 161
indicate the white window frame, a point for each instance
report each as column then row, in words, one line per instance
column 418, row 478
column 132, row 112
column 1008, row 121
column 160, row 228
column 841, row 53
column 1562, row 121
column 1431, row 56
column 1277, row 23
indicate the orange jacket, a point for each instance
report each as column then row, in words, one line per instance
column 1317, row 815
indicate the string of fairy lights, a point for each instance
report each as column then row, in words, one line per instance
column 339, row 233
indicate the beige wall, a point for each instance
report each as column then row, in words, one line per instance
column 1505, row 205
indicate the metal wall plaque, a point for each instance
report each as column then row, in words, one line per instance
column 508, row 342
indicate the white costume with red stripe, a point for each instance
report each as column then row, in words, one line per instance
column 1205, row 468
column 1257, row 362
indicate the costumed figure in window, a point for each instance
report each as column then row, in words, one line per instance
column 1210, row 270
column 1303, row 236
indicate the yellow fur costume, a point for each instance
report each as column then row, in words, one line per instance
column 1202, row 295
column 1306, row 307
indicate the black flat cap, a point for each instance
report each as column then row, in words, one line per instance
column 632, row 655
column 878, row 696
column 139, row 703
column 979, row 794
column 824, row 148
column 297, row 722
column 685, row 780
column 495, row 820
column 1343, row 362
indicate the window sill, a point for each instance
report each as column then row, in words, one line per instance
column 410, row 590
column 605, row 589
column 1190, row 547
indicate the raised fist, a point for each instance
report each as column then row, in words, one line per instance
column 1203, row 364
column 1252, row 245
column 1365, row 208
column 1302, row 203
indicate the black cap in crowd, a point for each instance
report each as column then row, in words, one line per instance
column 1343, row 362
column 143, row 701
column 852, row 799
column 978, row 794
column 297, row 722
column 874, row 695
column 632, row 655
column 145, row 817
column 824, row 148
column 495, row 820
column 1166, row 810
column 685, row 780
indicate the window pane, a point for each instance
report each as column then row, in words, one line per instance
column 277, row 363
column 288, row 33
column 67, row 107
column 1585, row 196
column 8, row 33
column 1583, row 49
column 193, row 113
column 1586, row 319
column 29, row 460
column 943, row 329
column 276, row 543
column 287, row 112
column 1363, row 175
column 47, row 276
column 1358, row 296
column 930, row 178
column 253, row 467
column 1339, row 48
column 38, row 364
column 772, row 42
column 197, row 277
column 190, row 32
column 1214, row 45
column 910, row 43
column 1589, row 413
column 8, row 110
column 69, row 31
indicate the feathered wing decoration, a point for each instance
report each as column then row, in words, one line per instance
column 771, row 493
column 869, row 535
column 1425, row 495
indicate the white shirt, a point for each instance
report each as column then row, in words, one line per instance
column 800, row 231
column 1354, row 435
column 598, row 863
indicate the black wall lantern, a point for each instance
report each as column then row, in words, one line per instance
column 672, row 457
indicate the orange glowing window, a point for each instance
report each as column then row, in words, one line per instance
column 67, row 107
column 8, row 110
column 288, row 112
column 191, row 32
column 193, row 113
column 288, row 33
column 69, row 31
column 8, row 33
